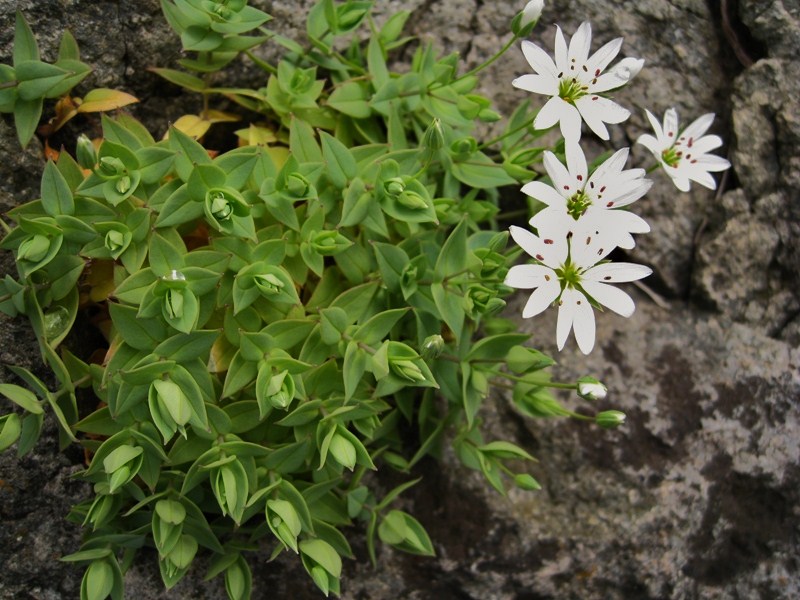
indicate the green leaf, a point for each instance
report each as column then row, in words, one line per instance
column 480, row 171
column 164, row 255
column 188, row 153
column 378, row 327
column 496, row 347
column 450, row 307
column 501, row 449
column 37, row 78
column 355, row 363
column 56, row 195
column 22, row 397
column 10, row 429
column 184, row 80
column 404, row 532
column 27, row 114
column 98, row 581
column 303, row 142
column 453, row 257
column 323, row 554
column 142, row 334
column 351, row 99
column 333, row 322
column 68, row 48
column 341, row 166
column 392, row 261
column 25, row 46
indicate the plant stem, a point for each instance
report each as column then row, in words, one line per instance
column 489, row 62
column 503, row 136
column 551, row 384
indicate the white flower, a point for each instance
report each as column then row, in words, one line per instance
column 574, row 82
column 572, row 271
column 592, row 200
column 531, row 13
column 684, row 155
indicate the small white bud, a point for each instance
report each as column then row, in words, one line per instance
column 591, row 389
column 531, row 12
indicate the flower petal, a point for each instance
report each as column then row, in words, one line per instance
column 538, row 84
column 563, row 182
column 543, row 193
column 545, row 250
column 671, row 126
column 601, row 59
column 610, row 297
column 539, row 60
column 576, row 163
column 710, row 162
column 618, row 272
column 698, row 127
column 597, row 110
column 579, row 47
column 562, row 63
column 527, row 277
column 575, row 312
column 651, row 143
column 550, row 113
column 583, row 324
column 707, row 143
column 656, row 129
column 541, row 298
column 570, row 123
column 566, row 314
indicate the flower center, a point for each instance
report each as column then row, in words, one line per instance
column 570, row 90
column 578, row 203
column 671, row 156
column 569, row 275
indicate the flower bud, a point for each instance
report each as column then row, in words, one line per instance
column 110, row 167
column 406, row 369
column 609, row 419
column 433, row 138
column 34, row 249
column 221, row 205
column 123, row 184
column 464, row 148
column 268, row 284
column 394, row 186
column 591, row 389
column 531, row 12
column 526, row 20
column 85, row 152
column 280, row 390
column 173, row 303
column 432, row 346
column 297, row 185
column 525, row 482
column 412, row 200
column 328, row 243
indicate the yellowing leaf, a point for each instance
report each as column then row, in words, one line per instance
column 103, row 99
column 255, row 136
column 191, row 125
column 218, row 116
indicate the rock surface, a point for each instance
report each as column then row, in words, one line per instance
column 697, row 495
